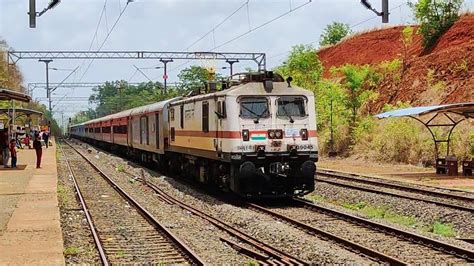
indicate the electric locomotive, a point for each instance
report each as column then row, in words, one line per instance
column 256, row 136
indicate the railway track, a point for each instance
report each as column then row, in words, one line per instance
column 423, row 246
column 124, row 232
column 380, row 242
column 263, row 253
column 453, row 199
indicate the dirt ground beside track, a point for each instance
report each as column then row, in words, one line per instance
column 400, row 172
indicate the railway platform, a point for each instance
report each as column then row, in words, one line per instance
column 30, row 231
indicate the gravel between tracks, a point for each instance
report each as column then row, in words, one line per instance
column 424, row 212
column 258, row 225
column 390, row 245
column 78, row 242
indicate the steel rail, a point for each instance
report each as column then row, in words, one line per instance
column 97, row 242
column 410, row 236
column 353, row 246
column 393, row 194
column 193, row 257
column 426, row 191
column 266, row 248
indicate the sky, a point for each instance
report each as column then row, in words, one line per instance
column 171, row 25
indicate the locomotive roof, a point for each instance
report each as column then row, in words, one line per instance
column 250, row 89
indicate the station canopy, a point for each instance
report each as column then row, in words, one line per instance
column 446, row 116
column 8, row 95
column 19, row 112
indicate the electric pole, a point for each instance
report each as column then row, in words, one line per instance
column 165, row 75
column 48, row 90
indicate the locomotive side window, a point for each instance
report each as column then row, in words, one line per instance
column 291, row 106
column 224, row 110
column 181, row 115
column 205, row 117
column 254, row 108
column 221, row 109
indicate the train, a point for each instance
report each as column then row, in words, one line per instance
column 256, row 136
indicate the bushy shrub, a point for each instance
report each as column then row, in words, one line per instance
column 435, row 17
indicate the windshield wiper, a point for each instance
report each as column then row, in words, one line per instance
column 260, row 116
column 257, row 116
column 287, row 114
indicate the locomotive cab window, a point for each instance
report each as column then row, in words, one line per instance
column 254, row 108
column 291, row 106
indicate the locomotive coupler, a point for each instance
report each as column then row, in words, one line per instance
column 278, row 168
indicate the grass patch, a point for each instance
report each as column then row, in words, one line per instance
column 465, row 187
column 442, row 229
column 383, row 212
column 120, row 168
column 71, row 250
column 62, row 194
column 316, row 198
column 251, row 262
column 58, row 154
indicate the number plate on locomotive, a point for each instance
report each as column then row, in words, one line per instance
column 292, row 132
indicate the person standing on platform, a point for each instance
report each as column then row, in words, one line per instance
column 46, row 138
column 39, row 151
column 5, row 149
column 13, row 152
column 26, row 141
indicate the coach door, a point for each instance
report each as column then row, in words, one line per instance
column 157, row 130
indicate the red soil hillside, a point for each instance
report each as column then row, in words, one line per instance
column 443, row 75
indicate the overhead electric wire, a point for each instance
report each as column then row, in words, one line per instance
column 261, row 25
column 106, row 38
column 139, row 70
column 249, row 31
column 98, row 24
column 218, row 24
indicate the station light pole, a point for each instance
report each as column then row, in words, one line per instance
column 48, row 92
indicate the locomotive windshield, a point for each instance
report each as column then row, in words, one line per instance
column 254, row 108
column 291, row 106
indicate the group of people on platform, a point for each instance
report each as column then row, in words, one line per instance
column 9, row 145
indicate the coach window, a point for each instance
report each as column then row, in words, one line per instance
column 181, row 115
column 205, row 117
column 171, row 114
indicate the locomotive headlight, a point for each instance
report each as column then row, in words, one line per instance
column 304, row 134
column 271, row 134
column 279, row 134
column 245, row 135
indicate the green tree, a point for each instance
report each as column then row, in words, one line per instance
column 359, row 82
column 435, row 17
column 116, row 96
column 333, row 33
column 196, row 77
column 303, row 66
